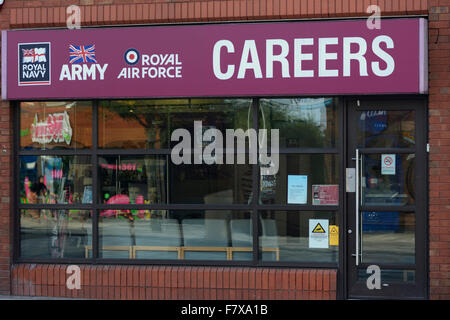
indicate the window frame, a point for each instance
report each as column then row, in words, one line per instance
column 254, row 207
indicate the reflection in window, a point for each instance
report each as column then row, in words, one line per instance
column 388, row 188
column 54, row 233
column 388, row 237
column 305, row 122
column 181, row 235
column 389, row 276
column 320, row 169
column 132, row 179
column 56, row 125
column 55, row 179
column 386, row 129
column 289, row 232
column 149, row 123
column 211, row 184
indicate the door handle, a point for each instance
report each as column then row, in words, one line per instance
column 357, row 206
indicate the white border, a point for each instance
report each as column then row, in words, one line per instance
column 4, row 65
column 423, row 56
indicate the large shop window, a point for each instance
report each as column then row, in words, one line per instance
column 97, row 180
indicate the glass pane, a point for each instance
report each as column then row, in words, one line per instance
column 386, row 129
column 388, row 237
column 56, row 125
column 390, row 276
column 285, row 236
column 318, row 170
column 385, row 182
column 132, row 179
column 55, row 179
column 149, row 123
column 302, row 123
column 219, row 114
column 134, row 124
column 211, row 184
column 180, row 235
column 55, row 234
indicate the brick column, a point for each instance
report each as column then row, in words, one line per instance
column 439, row 138
column 5, row 178
column 5, row 193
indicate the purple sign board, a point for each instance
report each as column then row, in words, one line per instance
column 243, row 59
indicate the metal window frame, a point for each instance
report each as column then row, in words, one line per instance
column 420, row 208
column 254, row 207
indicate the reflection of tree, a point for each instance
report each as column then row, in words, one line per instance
column 153, row 119
column 160, row 117
column 301, row 124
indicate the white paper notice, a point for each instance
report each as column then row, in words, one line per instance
column 388, row 164
column 318, row 233
column 297, row 189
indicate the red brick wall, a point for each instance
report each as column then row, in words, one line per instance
column 5, row 192
column 439, row 159
column 51, row 13
column 5, row 178
column 157, row 283
column 28, row 14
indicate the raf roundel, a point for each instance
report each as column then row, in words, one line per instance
column 132, row 56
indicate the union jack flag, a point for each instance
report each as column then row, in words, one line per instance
column 80, row 54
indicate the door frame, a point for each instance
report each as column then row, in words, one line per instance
column 419, row 104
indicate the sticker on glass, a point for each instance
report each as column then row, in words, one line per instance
column 297, row 189
column 388, row 164
column 323, row 194
column 318, row 233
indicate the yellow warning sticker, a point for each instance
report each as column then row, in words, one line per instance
column 318, row 229
column 334, row 235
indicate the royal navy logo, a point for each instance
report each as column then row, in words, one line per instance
column 34, row 64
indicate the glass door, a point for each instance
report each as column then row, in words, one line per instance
column 386, row 199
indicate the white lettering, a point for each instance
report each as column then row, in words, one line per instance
column 216, row 60
column 324, row 56
column 122, row 74
column 154, row 59
column 102, row 70
column 359, row 55
column 145, row 59
column 65, row 73
column 271, row 58
column 390, row 63
column 76, row 71
column 299, row 57
column 249, row 50
column 89, row 71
